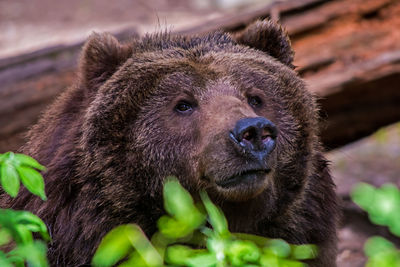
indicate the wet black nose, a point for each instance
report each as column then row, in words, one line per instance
column 255, row 135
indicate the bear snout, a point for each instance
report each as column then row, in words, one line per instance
column 254, row 137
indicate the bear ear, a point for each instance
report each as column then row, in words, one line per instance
column 101, row 56
column 269, row 37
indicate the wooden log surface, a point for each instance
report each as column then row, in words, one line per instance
column 347, row 51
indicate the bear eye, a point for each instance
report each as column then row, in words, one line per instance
column 254, row 101
column 184, row 107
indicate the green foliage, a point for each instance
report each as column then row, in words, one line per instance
column 15, row 167
column 383, row 207
column 382, row 204
column 184, row 239
column 17, row 227
column 120, row 242
column 184, row 217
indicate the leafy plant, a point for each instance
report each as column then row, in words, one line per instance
column 17, row 227
column 184, row 239
column 19, row 167
column 383, row 208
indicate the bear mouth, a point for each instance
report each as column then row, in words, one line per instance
column 250, row 176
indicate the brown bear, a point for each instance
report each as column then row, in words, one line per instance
column 222, row 112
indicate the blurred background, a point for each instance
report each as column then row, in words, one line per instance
column 347, row 51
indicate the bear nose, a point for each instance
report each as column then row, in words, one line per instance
column 255, row 135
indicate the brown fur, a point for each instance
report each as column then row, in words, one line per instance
column 110, row 140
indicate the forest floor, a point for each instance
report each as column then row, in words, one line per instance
column 374, row 160
column 31, row 25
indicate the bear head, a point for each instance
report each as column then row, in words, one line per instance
column 225, row 113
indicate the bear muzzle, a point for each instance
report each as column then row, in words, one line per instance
column 254, row 138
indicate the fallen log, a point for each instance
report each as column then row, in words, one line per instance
column 343, row 48
column 358, row 100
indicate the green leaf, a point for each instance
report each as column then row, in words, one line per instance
column 134, row 260
column 20, row 224
column 376, row 245
column 179, row 203
column 241, row 252
column 28, row 161
column 394, row 225
column 9, row 179
column 385, row 208
column 7, row 218
column 32, row 223
column 113, row 247
column 202, row 260
column 5, row 237
column 174, row 229
column 23, row 235
column 258, row 240
column 160, row 243
column 269, row 259
column 179, row 254
column 120, row 241
column 6, row 156
column 388, row 258
column 385, row 205
column 217, row 246
column 279, row 247
column 290, row 263
column 216, row 217
column 2, row 157
column 17, row 260
column 304, row 252
column 32, row 180
column 363, row 195
column 143, row 246
column 34, row 253
column 4, row 262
